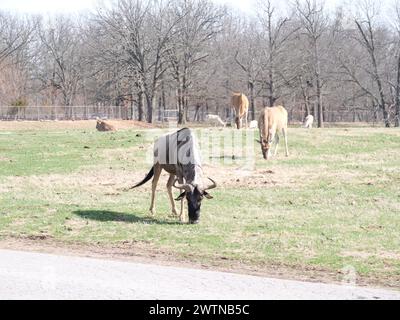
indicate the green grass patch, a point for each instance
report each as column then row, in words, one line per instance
column 334, row 202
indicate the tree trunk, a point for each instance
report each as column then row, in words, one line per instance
column 181, row 115
column 381, row 94
column 196, row 114
column 159, row 108
column 185, row 107
column 271, row 98
column 150, row 101
column 319, row 106
column 163, row 100
column 318, row 85
column 385, row 116
column 132, row 107
column 382, row 102
column 252, row 106
column 140, row 106
column 397, row 102
column 307, row 105
column 271, row 62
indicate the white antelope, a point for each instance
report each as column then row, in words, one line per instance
column 253, row 124
column 213, row 118
column 308, row 122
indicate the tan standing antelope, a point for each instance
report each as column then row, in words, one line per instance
column 272, row 121
column 241, row 105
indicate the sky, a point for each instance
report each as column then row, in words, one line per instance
column 52, row 6
column 57, row 6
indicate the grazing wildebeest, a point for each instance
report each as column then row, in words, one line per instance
column 101, row 125
column 272, row 121
column 178, row 154
column 308, row 122
column 241, row 105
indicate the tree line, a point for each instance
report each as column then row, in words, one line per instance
column 152, row 55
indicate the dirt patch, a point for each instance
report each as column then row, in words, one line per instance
column 105, row 182
column 5, row 188
column 366, row 255
column 123, row 154
column 113, row 181
column 144, row 252
column 259, row 178
column 79, row 124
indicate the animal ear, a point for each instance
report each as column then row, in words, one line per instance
column 207, row 195
column 258, row 141
column 180, row 197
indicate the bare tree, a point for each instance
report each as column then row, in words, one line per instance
column 199, row 22
column 248, row 56
column 147, row 54
column 276, row 31
column 15, row 34
column 314, row 22
column 140, row 32
column 396, row 25
column 60, row 58
column 367, row 33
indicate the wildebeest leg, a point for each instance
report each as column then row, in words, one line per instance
column 246, row 115
column 276, row 144
column 181, row 213
column 284, row 133
column 157, row 172
column 169, row 189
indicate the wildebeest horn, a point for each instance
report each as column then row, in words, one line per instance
column 181, row 186
column 211, row 186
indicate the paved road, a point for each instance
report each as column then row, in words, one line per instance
column 30, row 275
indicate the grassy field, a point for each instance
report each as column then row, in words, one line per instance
column 333, row 203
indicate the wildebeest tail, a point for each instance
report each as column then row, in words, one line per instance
column 146, row 178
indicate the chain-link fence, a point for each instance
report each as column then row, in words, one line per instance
column 368, row 116
column 199, row 115
column 64, row 112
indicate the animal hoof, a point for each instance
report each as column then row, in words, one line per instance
column 173, row 215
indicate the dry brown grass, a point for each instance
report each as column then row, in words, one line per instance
column 65, row 125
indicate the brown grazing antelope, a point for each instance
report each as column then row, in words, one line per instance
column 178, row 154
column 104, row 126
column 271, row 122
column 241, row 105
